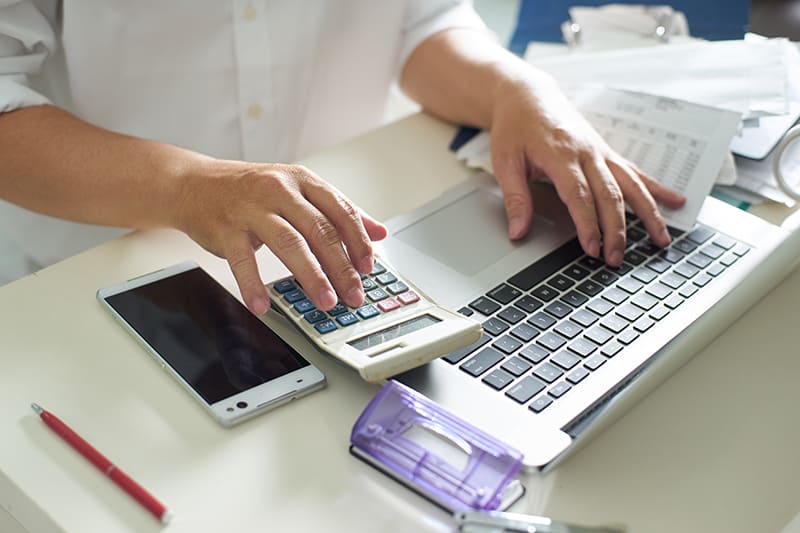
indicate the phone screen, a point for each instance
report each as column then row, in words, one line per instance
column 205, row 334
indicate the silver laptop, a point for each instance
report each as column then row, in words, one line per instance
column 569, row 344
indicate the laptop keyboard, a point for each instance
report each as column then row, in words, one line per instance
column 552, row 324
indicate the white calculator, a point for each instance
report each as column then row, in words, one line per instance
column 396, row 329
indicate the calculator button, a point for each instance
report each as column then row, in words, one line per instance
column 346, row 319
column 378, row 269
column 304, row 306
column 312, row 317
column 368, row 311
column 285, row 285
column 338, row 309
column 377, row 295
column 408, row 297
column 294, row 296
column 386, row 278
column 397, row 287
column 326, row 326
column 388, row 304
column 368, row 284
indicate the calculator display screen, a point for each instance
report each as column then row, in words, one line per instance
column 393, row 332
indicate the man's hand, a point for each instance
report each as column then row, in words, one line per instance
column 233, row 208
column 536, row 132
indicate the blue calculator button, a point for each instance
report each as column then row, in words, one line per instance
column 346, row 319
column 312, row 317
column 284, row 285
column 368, row 311
column 304, row 306
column 294, row 296
column 326, row 326
column 338, row 310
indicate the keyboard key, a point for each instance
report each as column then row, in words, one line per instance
column 615, row 296
column 512, row 315
column 630, row 285
column 498, row 379
column 635, row 258
column 284, row 286
column 673, row 301
column 504, row 293
column 544, row 293
column 599, row 335
column 629, row 312
column 548, row 372
column 543, row 268
column 558, row 309
column 574, row 298
column 527, row 388
column 741, row 249
column 560, row 282
column 723, row 241
column 326, row 326
column 659, row 312
column 568, row 329
column 644, row 301
column 524, row 332
column 590, row 263
column 576, row 272
column 528, row 304
column 713, row 251
column 659, row 265
column 482, row 361
column 635, row 234
column 702, row 279
column 600, row 307
column 673, row 281
column 648, row 248
column 684, row 245
column 715, row 269
column 578, row 375
column 614, row 323
column 346, row 319
column 584, row 318
column 686, row 270
column 699, row 260
column 659, row 290
column 484, row 306
column 551, row 341
column 645, row 275
column 627, row 337
column 458, row 355
column 507, row 344
column 408, row 297
column 671, row 256
column 534, row 354
column 565, row 359
column 541, row 320
column 495, row 326
column 367, row 311
column 605, row 277
column 611, row 349
column 540, row 403
column 389, row 304
column 729, row 259
column 700, row 234
column 582, row 347
column 621, row 270
column 516, row 366
column 688, row 291
column 643, row 324
column 559, row 389
column 595, row 361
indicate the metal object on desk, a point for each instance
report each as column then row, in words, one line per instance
column 500, row 522
column 786, row 163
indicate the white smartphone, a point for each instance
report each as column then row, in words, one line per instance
column 222, row 354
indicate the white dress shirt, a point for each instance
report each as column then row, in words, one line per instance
column 256, row 80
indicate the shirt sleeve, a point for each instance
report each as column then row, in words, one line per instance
column 26, row 40
column 425, row 18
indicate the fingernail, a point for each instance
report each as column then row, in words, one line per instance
column 327, row 298
column 259, row 305
column 355, row 297
column 366, row 265
column 594, row 248
column 615, row 258
column 516, row 227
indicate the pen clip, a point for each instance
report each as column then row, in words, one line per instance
column 501, row 522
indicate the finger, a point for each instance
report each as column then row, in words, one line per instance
column 610, row 209
column 290, row 246
column 511, row 175
column 347, row 221
column 642, row 202
column 661, row 193
column 375, row 229
column 574, row 191
column 325, row 242
column 242, row 261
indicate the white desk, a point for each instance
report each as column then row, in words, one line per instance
column 715, row 448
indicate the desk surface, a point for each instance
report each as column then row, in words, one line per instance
column 714, row 448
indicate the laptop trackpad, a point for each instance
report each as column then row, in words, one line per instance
column 468, row 234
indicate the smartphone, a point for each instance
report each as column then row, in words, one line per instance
column 222, row 354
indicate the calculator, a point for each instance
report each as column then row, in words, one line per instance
column 396, row 329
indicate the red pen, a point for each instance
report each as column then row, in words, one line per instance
column 136, row 491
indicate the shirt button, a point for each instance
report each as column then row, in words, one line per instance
column 255, row 111
column 250, row 14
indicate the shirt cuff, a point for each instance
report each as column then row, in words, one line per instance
column 459, row 16
column 14, row 94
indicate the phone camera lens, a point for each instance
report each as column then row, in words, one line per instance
column 241, row 405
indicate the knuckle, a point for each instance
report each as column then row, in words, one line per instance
column 515, row 201
column 288, row 241
column 325, row 233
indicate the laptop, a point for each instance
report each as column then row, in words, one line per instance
column 570, row 344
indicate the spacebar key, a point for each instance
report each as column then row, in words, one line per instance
column 458, row 355
column 547, row 265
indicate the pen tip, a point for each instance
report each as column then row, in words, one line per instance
column 36, row 409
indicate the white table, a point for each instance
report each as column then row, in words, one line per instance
column 715, row 448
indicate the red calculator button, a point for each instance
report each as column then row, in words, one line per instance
column 389, row 304
column 408, row 297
